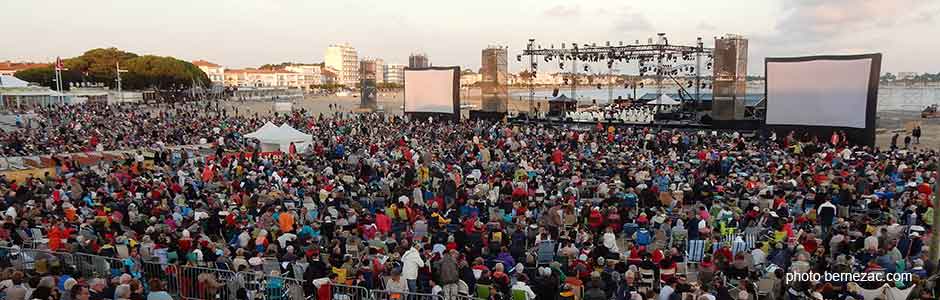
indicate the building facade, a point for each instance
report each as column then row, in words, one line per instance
column 310, row 74
column 906, row 75
column 8, row 68
column 418, row 61
column 215, row 72
column 267, row 78
column 373, row 69
column 345, row 60
column 395, row 74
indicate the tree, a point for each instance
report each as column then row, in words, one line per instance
column 526, row 75
column 888, row 77
column 162, row 72
column 45, row 76
column 100, row 65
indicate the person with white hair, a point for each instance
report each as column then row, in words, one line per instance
column 122, row 292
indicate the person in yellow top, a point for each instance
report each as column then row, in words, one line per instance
column 424, row 174
column 286, row 221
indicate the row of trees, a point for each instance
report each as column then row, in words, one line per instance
column 143, row 72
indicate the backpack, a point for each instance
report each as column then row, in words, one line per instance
column 643, row 237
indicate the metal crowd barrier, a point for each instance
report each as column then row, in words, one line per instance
column 349, row 292
column 389, row 295
column 184, row 282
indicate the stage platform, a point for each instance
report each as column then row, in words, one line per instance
column 615, row 123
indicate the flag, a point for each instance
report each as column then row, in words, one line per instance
column 59, row 66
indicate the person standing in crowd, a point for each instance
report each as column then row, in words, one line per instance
column 916, row 133
column 449, row 276
column 391, row 203
column 411, row 262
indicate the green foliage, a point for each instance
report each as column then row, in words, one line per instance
column 45, row 76
column 328, row 87
column 888, row 77
column 162, row 72
column 99, row 65
column 388, row 86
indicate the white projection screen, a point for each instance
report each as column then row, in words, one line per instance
column 824, row 94
column 818, row 92
column 432, row 90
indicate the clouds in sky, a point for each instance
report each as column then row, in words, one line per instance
column 242, row 33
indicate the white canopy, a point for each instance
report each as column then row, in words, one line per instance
column 273, row 137
column 664, row 100
column 266, row 130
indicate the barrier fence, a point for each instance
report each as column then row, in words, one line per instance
column 184, row 282
column 390, row 295
column 349, row 292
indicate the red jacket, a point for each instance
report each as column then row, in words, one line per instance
column 383, row 223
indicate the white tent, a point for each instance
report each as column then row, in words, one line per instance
column 664, row 100
column 274, row 138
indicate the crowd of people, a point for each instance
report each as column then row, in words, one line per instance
column 471, row 208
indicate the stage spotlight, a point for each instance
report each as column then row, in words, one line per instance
column 641, row 85
column 561, row 65
column 689, row 85
column 545, row 59
column 598, row 86
column 626, row 85
column 585, row 68
column 519, row 58
column 555, row 92
column 565, row 81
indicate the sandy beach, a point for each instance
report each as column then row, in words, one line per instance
column 391, row 102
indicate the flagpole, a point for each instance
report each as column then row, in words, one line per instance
column 117, row 65
column 58, row 78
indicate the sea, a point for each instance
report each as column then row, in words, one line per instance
column 890, row 97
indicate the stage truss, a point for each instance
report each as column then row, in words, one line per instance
column 659, row 60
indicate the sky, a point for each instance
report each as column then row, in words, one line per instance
column 249, row 33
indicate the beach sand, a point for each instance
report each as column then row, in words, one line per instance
column 888, row 122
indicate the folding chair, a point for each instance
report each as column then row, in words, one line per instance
column 519, row 295
column 483, row 291
column 545, row 252
column 764, row 286
column 647, row 280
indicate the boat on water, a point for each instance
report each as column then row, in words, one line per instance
column 930, row 112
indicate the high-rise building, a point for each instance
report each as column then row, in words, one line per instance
column 730, row 77
column 344, row 59
column 395, row 74
column 494, row 79
column 418, row 61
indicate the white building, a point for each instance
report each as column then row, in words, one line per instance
column 264, row 78
column 395, row 73
column 18, row 94
column 309, row 74
column 216, row 73
column 344, row 59
column 467, row 79
column 906, row 75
